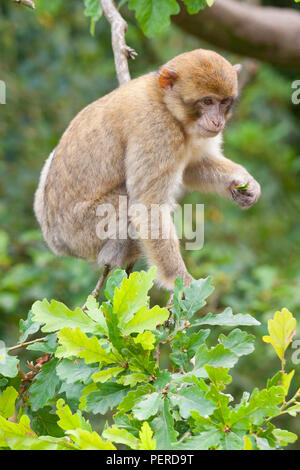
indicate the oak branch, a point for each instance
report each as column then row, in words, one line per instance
column 118, row 29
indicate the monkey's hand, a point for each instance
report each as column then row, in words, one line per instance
column 245, row 191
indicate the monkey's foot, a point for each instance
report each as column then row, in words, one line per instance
column 129, row 52
column 99, row 284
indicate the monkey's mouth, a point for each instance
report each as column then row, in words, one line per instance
column 208, row 132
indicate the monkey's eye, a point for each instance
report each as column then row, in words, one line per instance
column 226, row 101
column 207, row 101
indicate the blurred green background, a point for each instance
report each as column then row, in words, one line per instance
column 53, row 67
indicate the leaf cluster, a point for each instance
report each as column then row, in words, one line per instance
column 107, row 357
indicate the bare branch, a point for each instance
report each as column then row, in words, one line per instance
column 99, row 284
column 118, row 29
column 27, row 3
column 266, row 33
column 24, row 345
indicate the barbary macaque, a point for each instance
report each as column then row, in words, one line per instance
column 147, row 141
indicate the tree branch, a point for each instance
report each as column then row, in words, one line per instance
column 118, row 29
column 27, row 3
column 24, row 345
column 265, row 33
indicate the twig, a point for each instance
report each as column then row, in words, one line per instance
column 102, row 279
column 28, row 377
column 23, row 345
column 183, row 327
column 27, row 3
column 187, row 434
column 157, row 354
column 118, row 29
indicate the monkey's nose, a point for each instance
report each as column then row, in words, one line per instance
column 216, row 123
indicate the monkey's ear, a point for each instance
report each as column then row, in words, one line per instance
column 167, row 77
column 238, row 68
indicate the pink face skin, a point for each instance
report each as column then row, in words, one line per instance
column 213, row 111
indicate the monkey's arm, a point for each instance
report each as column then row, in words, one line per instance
column 215, row 173
column 149, row 186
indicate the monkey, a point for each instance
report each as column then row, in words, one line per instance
column 149, row 141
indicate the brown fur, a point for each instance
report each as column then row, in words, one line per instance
column 140, row 141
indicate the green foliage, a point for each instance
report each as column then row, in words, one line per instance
column 282, row 329
column 115, row 366
column 253, row 256
column 7, row 402
column 194, row 6
column 94, row 11
column 154, row 17
column 8, row 364
column 44, row 387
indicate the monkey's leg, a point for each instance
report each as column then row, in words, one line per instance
column 161, row 247
column 215, row 173
column 95, row 292
column 118, row 253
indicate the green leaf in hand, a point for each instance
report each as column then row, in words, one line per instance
column 243, row 187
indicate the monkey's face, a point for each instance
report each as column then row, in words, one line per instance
column 199, row 89
column 204, row 116
column 212, row 113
